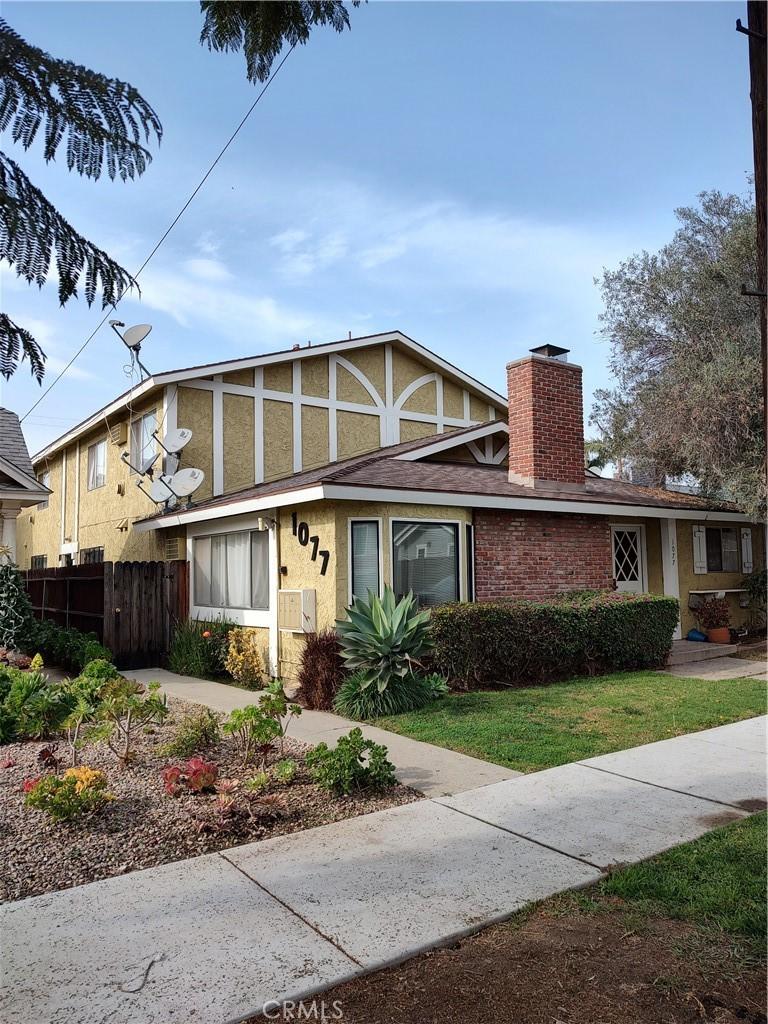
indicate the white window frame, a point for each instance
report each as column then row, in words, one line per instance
column 266, row 618
column 379, row 525
column 739, row 548
column 135, row 456
column 92, row 448
column 643, row 552
column 430, row 521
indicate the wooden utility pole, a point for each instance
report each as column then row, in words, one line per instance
column 756, row 33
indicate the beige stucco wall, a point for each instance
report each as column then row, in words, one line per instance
column 194, row 410
column 96, row 519
column 238, row 442
column 689, row 580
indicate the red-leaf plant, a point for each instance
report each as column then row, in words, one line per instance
column 197, row 776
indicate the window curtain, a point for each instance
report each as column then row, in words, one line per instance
column 365, row 559
column 202, row 566
column 260, row 570
column 425, row 561
column 237, row 590
column 97, row 459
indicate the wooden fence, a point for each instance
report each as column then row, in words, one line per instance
column 130, row 606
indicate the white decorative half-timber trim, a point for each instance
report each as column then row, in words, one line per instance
column 482, row 432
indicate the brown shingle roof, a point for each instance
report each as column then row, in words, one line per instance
column 382, row 468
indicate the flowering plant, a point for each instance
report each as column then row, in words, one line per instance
column 65, row 796
column 714, row 613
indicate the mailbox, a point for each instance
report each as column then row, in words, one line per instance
column 297, row 611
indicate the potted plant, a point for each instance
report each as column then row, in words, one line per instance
column 714, row 618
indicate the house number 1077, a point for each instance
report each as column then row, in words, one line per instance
column 301, row 532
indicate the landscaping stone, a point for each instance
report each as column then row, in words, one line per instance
column 192, row 941
column 433, row 771
column 604, row 819
column 405, row 879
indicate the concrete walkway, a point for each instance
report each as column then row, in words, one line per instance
column 717, row 668
column 433, row 771
column 220, row 937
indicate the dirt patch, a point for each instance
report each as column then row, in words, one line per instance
column 144, row 827
column 753, row 652
column 567, row 967
column 752, row 805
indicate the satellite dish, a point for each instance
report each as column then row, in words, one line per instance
column 175, row 440
column 185, row 482
column 147, row 464
column 134, row 336
column 159, row 490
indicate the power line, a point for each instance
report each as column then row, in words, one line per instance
column 165, row 234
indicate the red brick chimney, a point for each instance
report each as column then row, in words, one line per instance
column 546, row 424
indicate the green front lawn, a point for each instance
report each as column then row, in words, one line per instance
column 539, row 727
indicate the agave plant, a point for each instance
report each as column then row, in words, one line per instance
column 382, row 639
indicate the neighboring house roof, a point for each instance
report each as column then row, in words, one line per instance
column 395, row 474
column 396, row 338
column 17, row 477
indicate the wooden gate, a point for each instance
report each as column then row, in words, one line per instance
column 142, row 600
column 130, row 606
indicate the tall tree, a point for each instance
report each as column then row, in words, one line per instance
column 685, row 352
column 260, row 28
column 101, row 122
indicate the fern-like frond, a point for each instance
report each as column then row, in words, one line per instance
column 260, row 28
column 33, row 234
column 98, row 118
column 16, row 344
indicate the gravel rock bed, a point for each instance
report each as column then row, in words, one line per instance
column 144, row 826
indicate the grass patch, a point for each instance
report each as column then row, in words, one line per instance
column 537, row 727
column 717, row 881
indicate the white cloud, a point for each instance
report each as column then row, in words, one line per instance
column 44, row 334
column 207, row 269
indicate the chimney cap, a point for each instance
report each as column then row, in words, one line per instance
column 551, row 352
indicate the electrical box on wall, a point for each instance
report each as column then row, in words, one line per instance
column 296, row 611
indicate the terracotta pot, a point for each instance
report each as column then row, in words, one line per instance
column 719, row 635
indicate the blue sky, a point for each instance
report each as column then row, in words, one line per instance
column 459, row 171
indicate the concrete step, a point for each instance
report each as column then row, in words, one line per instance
column 691, row 650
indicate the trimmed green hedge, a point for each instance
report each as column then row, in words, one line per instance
column 523, row 642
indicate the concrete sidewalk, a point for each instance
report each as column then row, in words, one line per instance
column 217, row 938
column 717, row 668
column 433, row 771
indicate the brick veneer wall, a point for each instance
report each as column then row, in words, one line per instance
column 546, row 420
column 540, row 554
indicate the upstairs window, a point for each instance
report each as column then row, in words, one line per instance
column 142, row 440
column 97, row 465
column 38, row 562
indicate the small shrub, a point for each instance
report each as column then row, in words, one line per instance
column 124, row 705
column 359, row 700
column 383, row 639
column 99, row 668
column 33, row 707
column 200, row 648
column 252, row 732
column 68, row 648
column 438, row 685
column 284, row 771
column 196, row 732
column 522, row 642
column 37, row 664
column 66, row 796
column 321, row 672
column 15, row 609
column 713, row 613
column 244, row 662
column 354, row 764
column 197, row 776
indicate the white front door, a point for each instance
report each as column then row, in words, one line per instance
column 628, row 559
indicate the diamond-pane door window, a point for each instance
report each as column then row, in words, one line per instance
column 626, row 556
